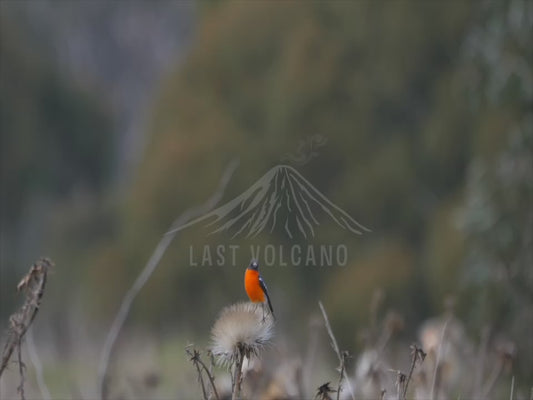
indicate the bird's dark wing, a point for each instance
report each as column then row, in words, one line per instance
column 265, row 290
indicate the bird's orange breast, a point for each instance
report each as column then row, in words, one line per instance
column 252, row 287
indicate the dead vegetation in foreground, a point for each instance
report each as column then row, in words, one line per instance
column 32, row 285
column 444, row 365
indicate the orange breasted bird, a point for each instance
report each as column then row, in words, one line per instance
column 255, row 286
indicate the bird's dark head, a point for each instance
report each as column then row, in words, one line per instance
column 254, row 265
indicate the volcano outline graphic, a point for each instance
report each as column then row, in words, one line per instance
column 258, row 208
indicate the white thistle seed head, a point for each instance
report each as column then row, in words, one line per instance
column 241, row 327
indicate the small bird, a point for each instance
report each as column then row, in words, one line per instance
column 256, row 288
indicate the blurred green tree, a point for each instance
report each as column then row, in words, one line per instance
column 56, row 140
column 497, row 217
column 381, row 83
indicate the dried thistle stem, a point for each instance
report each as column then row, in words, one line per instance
column 237, row 374
column 240, row 330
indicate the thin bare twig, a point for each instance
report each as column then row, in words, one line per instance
column 195, row 358
column 147, row 272
column 335, row 347
column 512, row 389
column 324, row 391
column 400, row 382
column 22, row 368
column 210, row 376
column 35, row 360
column 414, row 356
column 341, row 373
column 417, row 354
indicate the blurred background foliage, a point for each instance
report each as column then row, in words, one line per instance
column 426, row 108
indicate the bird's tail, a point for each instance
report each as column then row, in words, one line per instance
column 270, row 304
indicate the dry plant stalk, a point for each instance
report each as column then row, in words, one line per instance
column 324, row 391
column 240, row 331
column 201, row 368
column 237, row 373
column 146, row 273
column 400, row 383
column 342, row 370
column 33, row 285
column 417, row 355
column 402, row 380
column 22, row 368
column 340, row 355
